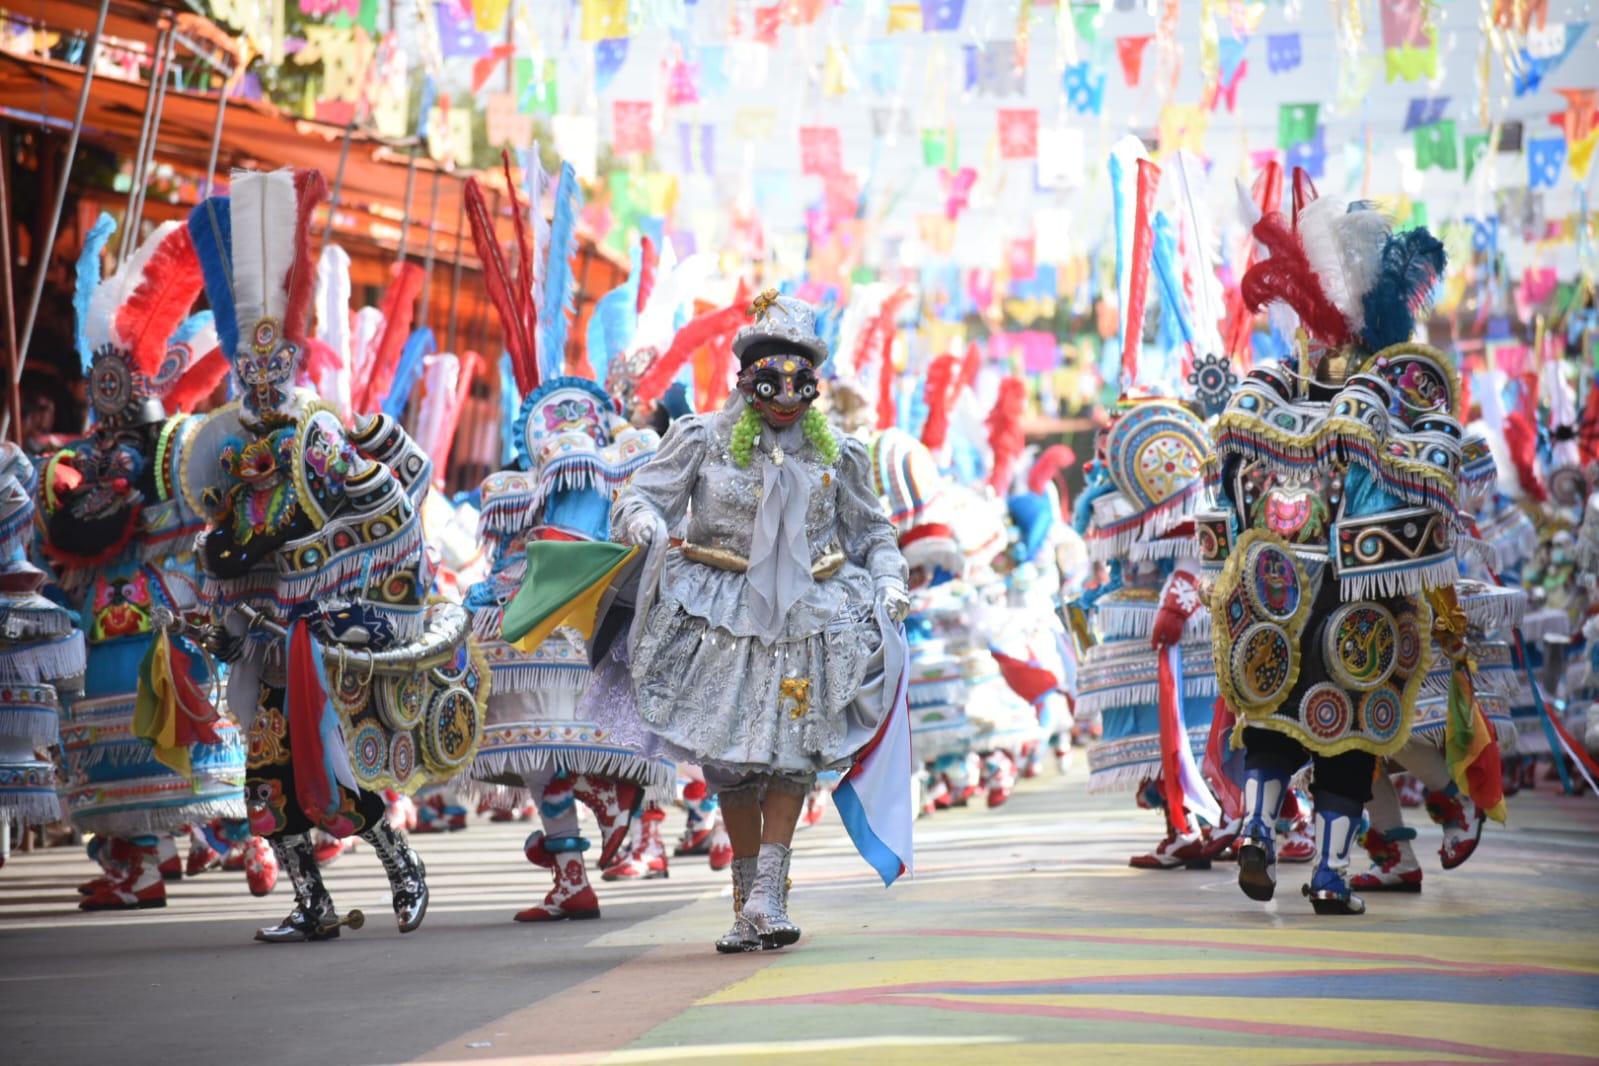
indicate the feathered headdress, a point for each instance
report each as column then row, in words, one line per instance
column 1005, row 436
column 938, row 393
column 260, row 277
column 128, row 320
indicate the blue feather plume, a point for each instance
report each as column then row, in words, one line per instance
column 418, row 346
column 1169, row 276
column 89, row 276
column 211, row 229
column 189, row 327
column 510, row 405
column 556, row 306
column 1412, row 263
column 615, row 319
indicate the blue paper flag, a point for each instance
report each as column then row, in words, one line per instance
column 1311, row 154
column 941, row 14
column 1232, row 54
column 1546, row 158
column 1283, row 52
column 609, row 55
column 1085, row 88
column 1425, row 111
column 1529, row 78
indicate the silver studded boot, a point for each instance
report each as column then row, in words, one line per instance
column 742, row 937
column 767, row 906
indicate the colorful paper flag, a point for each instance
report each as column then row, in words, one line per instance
column 754, row 123
column 1130, row 50
column 458, row 34
column 1424, row 111
column 1546, row 158
column 1310, row 155
column 939, row 148
column 603, row 20
column 682, row 84
column 609, row 55
column 1283, row 52
column 1085, row 88
column 904, row 18
column 821, row 150
column 1436, row 146
column 1405, row 24
column 630, row 127
column 1296, row 123
column 941, row 15
column 1475, row 149
column 1018, row 133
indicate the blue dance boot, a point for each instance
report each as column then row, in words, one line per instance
column 1257, row 856
column 1328, row 890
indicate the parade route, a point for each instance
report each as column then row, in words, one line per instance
column 1023, row 938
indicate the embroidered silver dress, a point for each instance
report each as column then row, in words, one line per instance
column 760, row 652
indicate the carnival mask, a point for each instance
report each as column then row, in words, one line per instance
column 781, row 388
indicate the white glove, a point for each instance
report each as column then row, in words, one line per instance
column 639, row 528
column 892, row 597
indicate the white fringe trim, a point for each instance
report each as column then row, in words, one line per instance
column 157, row 819
column 482, row 779
column 63, row 657
column 1409, row 580
column 1471, row 550
column 1165, row 548
column 32, row 807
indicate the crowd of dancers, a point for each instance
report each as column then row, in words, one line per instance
column 1280, row 610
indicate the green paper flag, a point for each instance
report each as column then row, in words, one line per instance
column 939, row 148
column 1085, row 19
column 541, row 99
column 1475, row 148
column 1296, row 124
column 1417, row 219
column 1436, row 146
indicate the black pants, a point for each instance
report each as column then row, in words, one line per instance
column 275, row 809
column 1342, row 784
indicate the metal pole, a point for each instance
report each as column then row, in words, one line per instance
column 338, row 180
column 148, row 150
column 216, row 129
column 45, row 248
column 455, row 274
column 12, row 416
column 125, row 248
column 427, row 260
column 405, row 221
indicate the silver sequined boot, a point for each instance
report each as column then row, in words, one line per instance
column 407, row 876
column 742, row 937
column 767, row 906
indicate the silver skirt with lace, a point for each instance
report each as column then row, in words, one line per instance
column 798, row 705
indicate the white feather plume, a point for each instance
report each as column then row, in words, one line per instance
column 114, row 291
column 1318, row 235
column 263, row 210
column 333, row 320
column 1361, row 233
column 1199, row 250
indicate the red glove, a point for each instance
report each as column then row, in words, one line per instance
column 1179, row 598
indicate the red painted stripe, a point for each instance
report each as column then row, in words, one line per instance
column 1453, row 965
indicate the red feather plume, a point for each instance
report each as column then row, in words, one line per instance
column 1521, row 439
column 938, row 393
column 1287, row 276
column 699, row 332
column 971, row 363
column 310, row 189
column 647, row 260
column 197, row 382
column 1005, row 436
column 522, row 269
column 170, row 282
column 399, row 309
column 513, row 301
column 1056, row 458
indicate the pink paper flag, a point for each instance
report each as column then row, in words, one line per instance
column 630, row 127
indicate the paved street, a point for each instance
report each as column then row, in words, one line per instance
column 1024, row 938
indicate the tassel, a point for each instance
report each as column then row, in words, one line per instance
column 511, row 299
